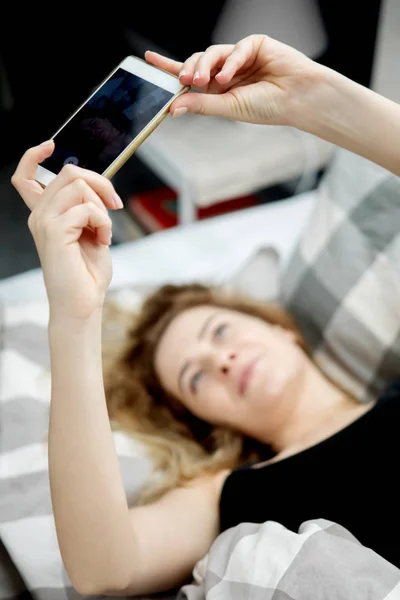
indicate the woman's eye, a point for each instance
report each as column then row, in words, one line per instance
column 220, row 330
column 195, row 380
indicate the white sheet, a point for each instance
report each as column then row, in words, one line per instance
column 209, row 250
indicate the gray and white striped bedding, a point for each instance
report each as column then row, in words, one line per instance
column 250, row 561
column 27, row 528
column 269, row 562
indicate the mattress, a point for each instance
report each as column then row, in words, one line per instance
column 208, row 250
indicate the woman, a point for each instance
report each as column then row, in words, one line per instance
column 241, row 369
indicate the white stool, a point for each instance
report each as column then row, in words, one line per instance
column 206, row 159
column 209, row 159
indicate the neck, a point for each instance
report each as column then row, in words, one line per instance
column 314, row 409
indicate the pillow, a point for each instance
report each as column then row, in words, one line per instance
column 27, row 527
column 342, row 283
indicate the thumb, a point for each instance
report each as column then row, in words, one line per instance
column 24, row 177
column 215, row 105
column 27, row 166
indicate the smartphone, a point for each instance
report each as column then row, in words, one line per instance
column 120, row 114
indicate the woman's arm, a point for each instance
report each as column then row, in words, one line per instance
column 89, row 502
column 353, row 117
column 261, row 80
column 106, row 548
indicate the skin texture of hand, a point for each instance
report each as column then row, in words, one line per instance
column 258, row 80
column 72, row 232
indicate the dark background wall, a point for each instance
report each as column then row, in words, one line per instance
column 51, row 61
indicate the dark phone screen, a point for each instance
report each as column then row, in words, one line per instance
column 108, row 123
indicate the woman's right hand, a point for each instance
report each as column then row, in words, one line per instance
column 72, row 232
column 258, row 80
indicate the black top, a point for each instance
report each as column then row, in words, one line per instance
column 351, row 478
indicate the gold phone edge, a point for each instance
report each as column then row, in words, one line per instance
column 150, row 127
column 141, row 137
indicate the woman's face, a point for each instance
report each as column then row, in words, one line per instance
column 229, row 368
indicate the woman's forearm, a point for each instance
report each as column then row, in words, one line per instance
column 88, row 496
column 354, row 117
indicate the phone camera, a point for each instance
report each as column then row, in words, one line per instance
column 71, row 160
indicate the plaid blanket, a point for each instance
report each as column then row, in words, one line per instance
column 269, row 562
column 265, row 561
column 343, row 281
column 29, row 555
column 30, row 560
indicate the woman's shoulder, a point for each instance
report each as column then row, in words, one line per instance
column 210, row 484
column 218, row 481
column 390, row 398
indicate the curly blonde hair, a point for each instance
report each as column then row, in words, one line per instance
column 180, row 444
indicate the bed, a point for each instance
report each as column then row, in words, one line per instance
column 241, row 249
column 208, row 250
column 215, row 251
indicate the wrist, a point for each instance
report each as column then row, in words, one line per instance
column 335, row 113
column 320, row 102
column 61, row 322
column 354, row 117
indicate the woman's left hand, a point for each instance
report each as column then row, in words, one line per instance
column 72, row 232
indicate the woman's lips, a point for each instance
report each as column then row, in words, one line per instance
column 246, row 376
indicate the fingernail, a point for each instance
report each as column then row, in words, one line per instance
column 110, row 239
column 196, row 76
column 178, row 112
column 117, row 201
column 46, row 143
column 182, row 74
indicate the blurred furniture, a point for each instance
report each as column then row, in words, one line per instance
column 294, row 22
column 207, row 160
column 209, row 250
column 386, row 68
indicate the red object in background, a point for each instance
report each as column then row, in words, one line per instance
column 157, row 209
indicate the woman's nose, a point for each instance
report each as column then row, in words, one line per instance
column 226, row 362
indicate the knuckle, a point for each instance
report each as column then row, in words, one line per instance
column 30, row 153
column 14, row 181
column 107, row 225
column 79, row 186
column 31, row 222
column 70, row 170
column 238, row 48
column 80, row 183
column 255, row 39
column 48, row 229
column 108, row 185
column 200, row 110
column 245, row 43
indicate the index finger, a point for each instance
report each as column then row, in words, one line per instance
column 24, row 178
column 162, row 62
column 102, row 186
